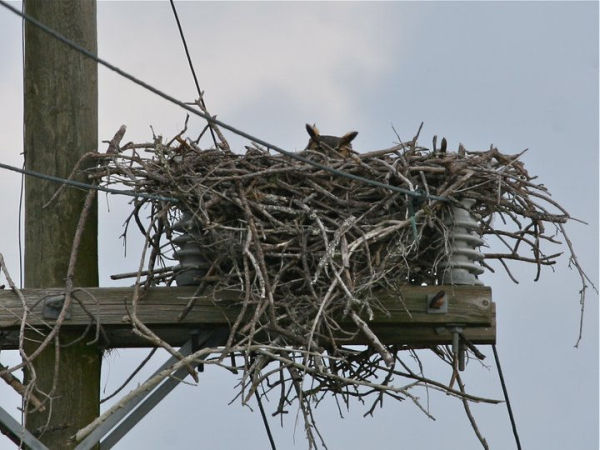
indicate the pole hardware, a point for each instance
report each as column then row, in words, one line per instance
column 53, row 305
column 122, row 420
column 437, row 303
column 18, row 433
column 197, row 340
column 202, row 338
column 458, row 346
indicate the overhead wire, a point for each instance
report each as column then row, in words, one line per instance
column 189, row 59
column 265, row 421
column 22, row 187
column 201, row 100
column 213, row 120
column 85, row 186
column 505, row 392
column 21, row 196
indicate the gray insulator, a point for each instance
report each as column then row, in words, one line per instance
column 462, row 264
column 192, row 264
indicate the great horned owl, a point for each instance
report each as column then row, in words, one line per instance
column 324, row 143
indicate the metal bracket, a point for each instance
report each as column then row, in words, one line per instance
column 199, row 339
column 125, row 418
column 458, row 346
column 17, row 433
column 437, row 303
column 52, row 307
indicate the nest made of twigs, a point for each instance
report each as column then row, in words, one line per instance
column 310, row 225
column 305, row 247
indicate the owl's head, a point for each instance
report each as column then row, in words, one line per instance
column 326, row 143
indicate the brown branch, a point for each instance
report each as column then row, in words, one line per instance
column 470, row 415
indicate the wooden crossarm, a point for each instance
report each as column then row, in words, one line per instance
column 407, row 321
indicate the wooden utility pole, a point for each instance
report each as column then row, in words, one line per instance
column 61, row 124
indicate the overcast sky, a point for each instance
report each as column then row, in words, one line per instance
column 518, row 75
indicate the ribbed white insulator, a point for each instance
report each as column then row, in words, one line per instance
column 462, row 264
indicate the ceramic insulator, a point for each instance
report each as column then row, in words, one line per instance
column 462, row 265
column 192, row 264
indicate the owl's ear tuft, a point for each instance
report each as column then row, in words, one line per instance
column 347, row 138
column 313, row 131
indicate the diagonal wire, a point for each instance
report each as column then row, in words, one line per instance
column 505, row 391
column 212, row 120
column 130, row 377
column 189, row 58
column 265, row 421
column 22, row 188
column 86, row 186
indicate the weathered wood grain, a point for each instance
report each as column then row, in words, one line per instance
column 407, row 321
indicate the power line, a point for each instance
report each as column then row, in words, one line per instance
column 505, row 392
column 210, row 119
column 265, row 421
column 187, row 53
column 189, row 58
column 22, row 187
column 86, row 186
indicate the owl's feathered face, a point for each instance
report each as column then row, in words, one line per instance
column 326, row 143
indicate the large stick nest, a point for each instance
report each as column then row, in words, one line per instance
column 306, row 247
column 298, row 229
